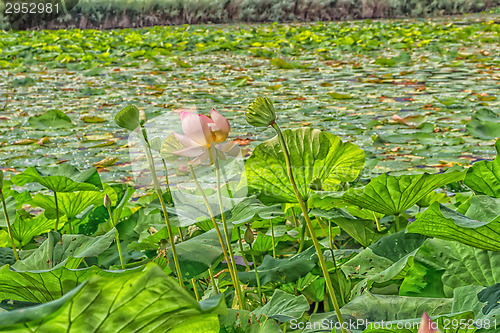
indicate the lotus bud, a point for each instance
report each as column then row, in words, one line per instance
column 315, row 184
column 107, row 201
column 248, row 235
column 261, row 113
column 427, row 325
column 1, row 180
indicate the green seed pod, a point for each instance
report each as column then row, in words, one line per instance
column 261, row 112
column 248, row 235
column 107, row 201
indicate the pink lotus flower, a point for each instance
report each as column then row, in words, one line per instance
column 427, row 325
column 203, row 137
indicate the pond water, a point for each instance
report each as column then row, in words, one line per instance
column 348, row 78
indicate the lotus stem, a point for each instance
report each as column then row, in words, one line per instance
column 396, row 220
column 117, row 237
column 295, row 221
column 239, row 292
column 9, row 229
column 57, row 211
column 219, row 235
column 376, row 221
column 259, row 289
column 335, row 261
column 241, row 249
column 302, row 238
column 193, row 283
column 212, row 280
column 149, row 157
column 272, row 239
column 303, row 207
column 170, row 193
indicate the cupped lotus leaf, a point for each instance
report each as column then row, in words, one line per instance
column 52, row 119
column 128, row 118
column 147, row 301
column 484, row 177
column 392, row 195
column 63, row 178
column 459, row 265
column 442, row 222
column 284, row 307
column 56, row 250
column 314, row 155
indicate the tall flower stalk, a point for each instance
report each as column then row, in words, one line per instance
column 203, row 140
column 107, row 204
column 6, row 215
column 129, row 119
column 158, row 190
column 261, row 113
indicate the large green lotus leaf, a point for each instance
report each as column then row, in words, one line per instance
column 387, row 260
column 63, row 178
column 442, row 222
column 315, row 155
column 284, row 306
column 144, row 301
column 71, row 204
column 282, row 270
column 485, row 124
column 56, row 250
column 393, row 195
column 46, row 285
column 484, row 177
column 23, row 230
column 375, row 308
column 52, row 119
column 459, row 265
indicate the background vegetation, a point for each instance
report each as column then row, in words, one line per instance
column 137, row 13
